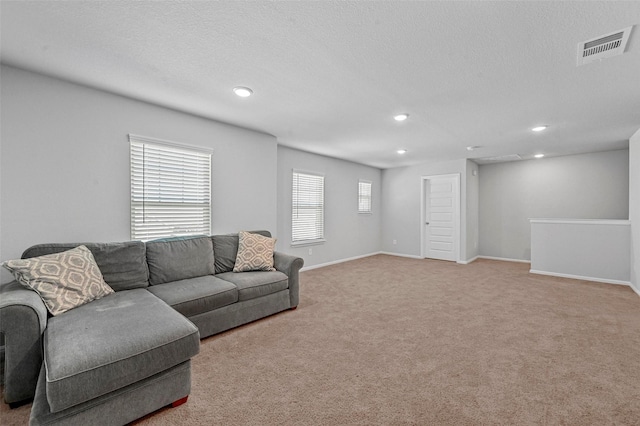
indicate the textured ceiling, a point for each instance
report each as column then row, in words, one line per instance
column 328, row 76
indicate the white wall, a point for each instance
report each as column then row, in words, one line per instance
column 65, row 163
column 634, row 208
column 593, row 250
column 401, row 218
column 585, row 186
column 348, row 234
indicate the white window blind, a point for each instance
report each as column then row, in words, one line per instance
column 364, row 196
column 170, row 189
column 307, row 224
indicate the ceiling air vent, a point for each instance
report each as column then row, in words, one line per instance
column 605, row 46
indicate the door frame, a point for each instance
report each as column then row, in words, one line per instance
column 456, row 212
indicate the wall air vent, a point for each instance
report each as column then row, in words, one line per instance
column 602, row 47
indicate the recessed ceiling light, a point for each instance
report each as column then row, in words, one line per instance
column 539, row 128
column 401, row 151
column 539, row 155
column 401, row 117
column 473, row 147
column 243, row 92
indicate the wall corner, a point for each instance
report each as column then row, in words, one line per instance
column 634, row 209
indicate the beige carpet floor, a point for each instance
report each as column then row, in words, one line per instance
column 395, row 341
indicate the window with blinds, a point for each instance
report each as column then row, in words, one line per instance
column 307, row 224
column 170, row 189
column 364, row 196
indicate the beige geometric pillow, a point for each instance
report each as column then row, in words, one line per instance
column 62, row 280
column 255, row 253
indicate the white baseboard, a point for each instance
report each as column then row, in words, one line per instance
column 410, row 256
column 635, row 289
column 335, row 262
column 578, row 277
column 468, row 261
column 504, row 259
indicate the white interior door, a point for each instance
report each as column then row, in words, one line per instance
column 441, row 217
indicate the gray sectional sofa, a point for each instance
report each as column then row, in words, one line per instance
column 127, row 354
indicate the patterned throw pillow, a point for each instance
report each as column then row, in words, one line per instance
column 255, row 253
column 62, row 280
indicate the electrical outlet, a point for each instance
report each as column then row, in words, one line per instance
column 395, row 242
column 310, row 252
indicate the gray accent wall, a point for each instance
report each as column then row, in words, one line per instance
column 585, row 186
column 64, row 171
column 401, row 188
column 634, row 208
column 348, row 234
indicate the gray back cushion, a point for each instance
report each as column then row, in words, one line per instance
column 123, row 265
column 225, row 248
column 179, row 259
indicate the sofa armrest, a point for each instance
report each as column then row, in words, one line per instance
column 23, row 318
column 290, row 265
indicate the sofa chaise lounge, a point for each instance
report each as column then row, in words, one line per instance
column 127, row 354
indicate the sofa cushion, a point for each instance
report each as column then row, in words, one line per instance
column 194, row 296
column 62, row 280
column 123, row 265
column 225, row 248
column 179, row 259
column 113, row 342
column 257, row 283
column 255, row 253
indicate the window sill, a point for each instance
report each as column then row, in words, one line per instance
column 308, row 243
